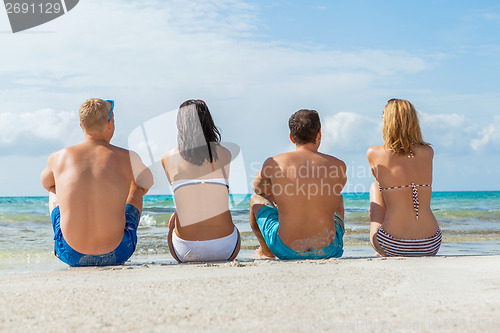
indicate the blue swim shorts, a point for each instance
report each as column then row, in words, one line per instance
column 117, row 257
column 267, row 219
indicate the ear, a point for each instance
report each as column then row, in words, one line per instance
column 291, row 138
column 318, row 137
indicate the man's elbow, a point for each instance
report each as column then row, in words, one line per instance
column 145, row 179
column 259, row 190
column 47, row 183
column 144, row 191
column 149, row 182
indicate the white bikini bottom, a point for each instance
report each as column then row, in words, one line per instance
column 219, row 249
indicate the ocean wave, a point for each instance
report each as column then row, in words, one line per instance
column 147, row 221
column 486, row 215
column 154, row 220
column 157, row 209
column 24, row 218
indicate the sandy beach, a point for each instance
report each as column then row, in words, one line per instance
column 348, row 294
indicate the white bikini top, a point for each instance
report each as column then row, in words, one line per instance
column 186, row 182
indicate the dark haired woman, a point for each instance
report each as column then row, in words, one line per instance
column 402, row 223
column 201, row 229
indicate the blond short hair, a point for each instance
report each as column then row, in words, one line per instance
column 94, row 114
column 401, row 128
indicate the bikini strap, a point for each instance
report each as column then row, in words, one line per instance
column 414, row 189
column 416, row 203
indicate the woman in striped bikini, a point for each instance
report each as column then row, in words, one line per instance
column 402, row 223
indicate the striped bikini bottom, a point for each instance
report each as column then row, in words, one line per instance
column 396, row 247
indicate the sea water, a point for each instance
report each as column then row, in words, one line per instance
column 470, row 222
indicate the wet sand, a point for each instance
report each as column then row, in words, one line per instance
column 352, row 294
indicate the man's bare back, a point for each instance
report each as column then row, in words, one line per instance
column 306, row 187
column 92, row 182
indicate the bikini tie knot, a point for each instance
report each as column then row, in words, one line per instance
column 416, row 203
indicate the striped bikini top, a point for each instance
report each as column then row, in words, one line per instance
column 414, row 186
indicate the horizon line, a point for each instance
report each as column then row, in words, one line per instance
column 150, row 195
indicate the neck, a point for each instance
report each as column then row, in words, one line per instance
column 307, row 146
column 96, row 137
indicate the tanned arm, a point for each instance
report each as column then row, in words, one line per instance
column 143, row 177
column 47, row 177
column 262, row 183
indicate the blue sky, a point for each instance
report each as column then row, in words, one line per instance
column 255, row 63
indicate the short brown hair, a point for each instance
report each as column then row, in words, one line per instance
column 401, row 128
column 304, row 126
column 94, row 114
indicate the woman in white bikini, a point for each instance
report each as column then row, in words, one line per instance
column 201, row 229
column 402, row 223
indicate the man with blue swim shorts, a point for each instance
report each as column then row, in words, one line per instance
column 297, row 210
column 95, row 193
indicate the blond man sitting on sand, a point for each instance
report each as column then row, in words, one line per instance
column 297, row 210
column 95, row 193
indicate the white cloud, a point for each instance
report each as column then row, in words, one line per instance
column 456, row 133
column 350, row 132
column 151, row 55
column 174, row 45
column 446, row 132
column 37, row 132
column 489, row 137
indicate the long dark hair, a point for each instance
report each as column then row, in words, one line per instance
column 193, row 119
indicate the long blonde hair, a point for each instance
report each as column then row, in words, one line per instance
column 401, row 128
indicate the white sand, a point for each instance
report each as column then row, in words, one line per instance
column 366, row 295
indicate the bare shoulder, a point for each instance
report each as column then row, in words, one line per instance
column 60, row 153
column 133, row 155
column 57, row 156
column 273, row 160
column 281, row 157
column 425, row 150
column 334, row 160
column 170, row 154
column 223, row 153
column 375, row 152
column 121, row 150
column 66, row 153
column 270, row 167
column 279, row 161
column 128, row 157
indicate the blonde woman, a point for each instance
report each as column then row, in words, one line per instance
column 402, row 223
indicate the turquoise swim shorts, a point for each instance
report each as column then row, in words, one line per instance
column 267, row 219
